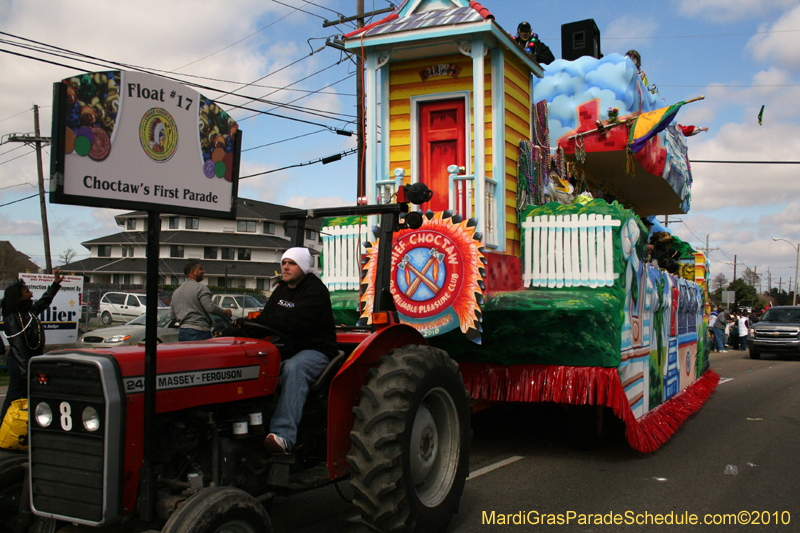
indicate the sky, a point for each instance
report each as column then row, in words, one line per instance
column 740, row 54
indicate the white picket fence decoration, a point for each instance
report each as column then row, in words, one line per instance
column 569, row 250
column 341, row 256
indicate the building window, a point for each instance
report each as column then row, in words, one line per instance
column 262, row 284
column 192, row 223
column 248, row 226
column 131, row 224
column 176, row 250
column 269, row 228
column 229, row 254
column 220, row 282
column 244, row 254
column 104, row 250
column 209, row 252
column 242, row 283
column 311, row 234
column 175, row 280
column 127, row 251
column 173, row 222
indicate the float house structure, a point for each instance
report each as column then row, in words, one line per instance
column 531, row 266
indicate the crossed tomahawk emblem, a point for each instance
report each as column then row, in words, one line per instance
column 434, row 261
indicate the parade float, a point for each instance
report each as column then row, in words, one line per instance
column 539, row 265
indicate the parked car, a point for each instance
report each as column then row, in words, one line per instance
column 239, row 304
column 133, row 331
column 122, row 306
column 778, row 331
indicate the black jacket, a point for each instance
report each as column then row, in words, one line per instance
column 304, row 315
column 23, row 345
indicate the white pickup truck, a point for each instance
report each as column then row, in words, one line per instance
column 239, row 304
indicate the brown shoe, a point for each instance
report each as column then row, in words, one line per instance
column 275, row 444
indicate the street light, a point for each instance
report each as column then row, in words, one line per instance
column 228, row 267
column 796, row 265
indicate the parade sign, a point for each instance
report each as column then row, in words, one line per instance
column 129, row 140
column 60, row 320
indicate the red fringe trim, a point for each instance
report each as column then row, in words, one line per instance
column 368, row 27
column 588, row 385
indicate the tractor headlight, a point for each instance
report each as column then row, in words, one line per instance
column 43, row 414
column 91, row 420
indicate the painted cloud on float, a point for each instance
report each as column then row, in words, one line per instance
column 568, row 84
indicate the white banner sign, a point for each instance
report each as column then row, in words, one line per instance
column 60, row 320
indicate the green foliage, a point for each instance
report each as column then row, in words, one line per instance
column 745, row 294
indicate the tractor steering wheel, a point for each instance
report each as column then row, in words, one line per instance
column 278, row 337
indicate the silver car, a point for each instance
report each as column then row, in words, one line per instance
column 133, row 332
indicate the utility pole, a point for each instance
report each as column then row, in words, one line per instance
column 38, row 141
column 338, row 44
column 734, row 268
column 708, row 249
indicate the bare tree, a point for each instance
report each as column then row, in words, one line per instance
column 719, row 281
column 750, row 277
column 67, row 256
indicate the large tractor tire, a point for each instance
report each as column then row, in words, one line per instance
column 12, row 476
column 754, row 354
column 219, row 510
column 410, row 442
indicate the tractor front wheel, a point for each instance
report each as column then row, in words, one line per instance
column 219, row 510
column 12, row 476
column 410, row 441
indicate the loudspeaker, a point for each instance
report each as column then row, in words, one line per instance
column 580, row 39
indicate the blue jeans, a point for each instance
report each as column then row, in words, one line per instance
column 189, row 334
column 17, row 385
column 743, row 343
column 719, row 338
column 297, row 374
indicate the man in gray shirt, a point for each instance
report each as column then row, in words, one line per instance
column 192, row 306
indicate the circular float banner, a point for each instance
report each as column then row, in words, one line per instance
column 436, row 276
column 158, row 134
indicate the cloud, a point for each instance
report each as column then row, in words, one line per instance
column 780, row 44
column 730, row 10
column 719, row 186
column 19, row 228
column 307, row 202
column 629, row 32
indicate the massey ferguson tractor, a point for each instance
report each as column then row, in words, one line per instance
column 390, row 413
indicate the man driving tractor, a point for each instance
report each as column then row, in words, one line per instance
column 300, row 311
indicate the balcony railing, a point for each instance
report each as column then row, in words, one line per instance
column 341, row 256
column 462, row 201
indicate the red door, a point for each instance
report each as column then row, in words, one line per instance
column 442, row 143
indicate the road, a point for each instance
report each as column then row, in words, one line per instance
column 752, row 421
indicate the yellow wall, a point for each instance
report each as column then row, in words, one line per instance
column 405, row 82
column 517, row 114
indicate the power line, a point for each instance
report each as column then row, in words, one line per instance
column 20, row 200
column 15, row 158
column 284, row 140
column 746, row 162
column 298, row 9
column 21, row 113
column 342, row 154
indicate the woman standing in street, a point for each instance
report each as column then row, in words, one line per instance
column 24, row 332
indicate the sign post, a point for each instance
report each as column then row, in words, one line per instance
column 128, row 140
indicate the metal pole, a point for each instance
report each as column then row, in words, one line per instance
column 147, row 474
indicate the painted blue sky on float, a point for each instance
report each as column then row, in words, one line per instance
column 568, row 84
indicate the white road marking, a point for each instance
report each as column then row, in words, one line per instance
column 478, row 472
column 725, row 380
column 495, row 466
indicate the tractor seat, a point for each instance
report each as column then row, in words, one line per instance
column 330, row 371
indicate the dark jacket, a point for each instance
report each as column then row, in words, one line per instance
column 22, row 345
column 304, row 315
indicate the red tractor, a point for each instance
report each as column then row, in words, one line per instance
column 390, row 412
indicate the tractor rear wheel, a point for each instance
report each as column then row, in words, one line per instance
column 219, row 510
column 410, row 441
column 12, row 476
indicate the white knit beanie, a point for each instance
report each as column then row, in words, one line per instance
column 301, row 256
